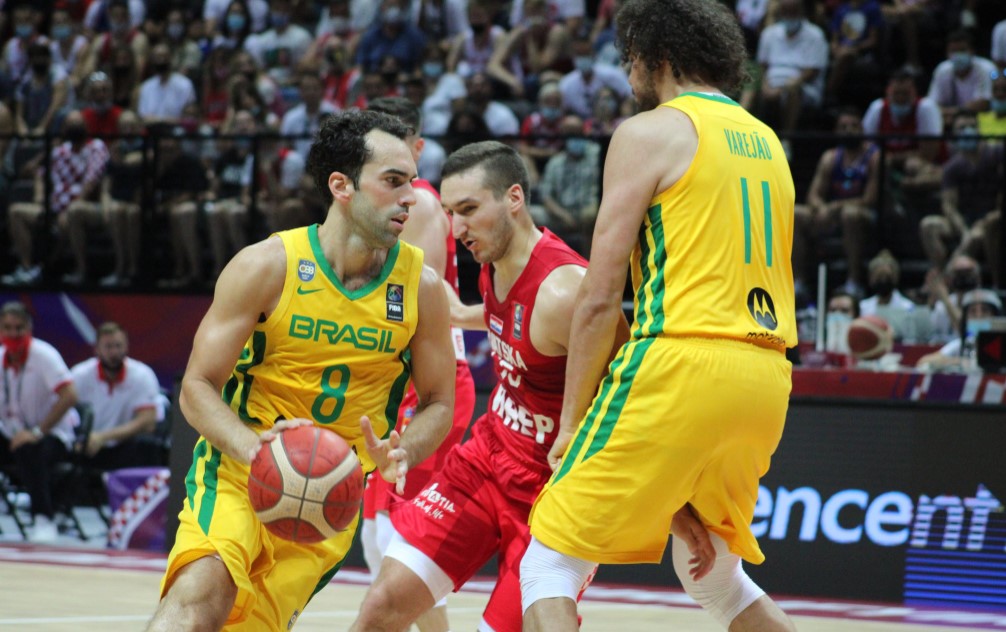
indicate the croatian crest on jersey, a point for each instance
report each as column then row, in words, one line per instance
column 496, row 324
column 395, row 299
column 306, row 269
column 518, row 321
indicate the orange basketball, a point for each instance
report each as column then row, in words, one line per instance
column 306, row 485
column 870, row 337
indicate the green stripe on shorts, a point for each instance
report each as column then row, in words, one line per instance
column 209, row 500
column 614, row 409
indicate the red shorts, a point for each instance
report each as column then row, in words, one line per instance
column 378, row 493
column 475, row 507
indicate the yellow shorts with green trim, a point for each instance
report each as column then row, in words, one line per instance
column 677, row 420
column 275, row 577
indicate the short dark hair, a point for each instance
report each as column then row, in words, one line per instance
column 16, row 308
column 401, row 108
column 108, row 328
column 700, row 39
column 502, row 166
column 341, row 145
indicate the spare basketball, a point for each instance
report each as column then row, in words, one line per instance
column 870, row 337
column 306, row 485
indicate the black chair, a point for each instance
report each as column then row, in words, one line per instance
column 10, row 488
column 78, row 482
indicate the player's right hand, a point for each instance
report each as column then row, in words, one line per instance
column 559, row 448
column 271, row 434
column 391, row 459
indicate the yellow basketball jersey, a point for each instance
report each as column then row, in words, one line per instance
column 713, row 258
column 327, row 353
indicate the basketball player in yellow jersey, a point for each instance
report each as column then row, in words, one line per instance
column 322, row 325
column 698, row 200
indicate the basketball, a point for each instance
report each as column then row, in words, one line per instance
column 870, row 337
column 306, row 485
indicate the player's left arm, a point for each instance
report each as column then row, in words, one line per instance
column 433, row 369
column 648, row 153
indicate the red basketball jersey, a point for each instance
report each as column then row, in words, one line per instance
column 525, row 405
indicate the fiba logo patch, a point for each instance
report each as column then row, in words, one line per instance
column 395, row 296
column 762, row 308
column 306, row 269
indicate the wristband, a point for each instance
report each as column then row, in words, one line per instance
column 37, row 432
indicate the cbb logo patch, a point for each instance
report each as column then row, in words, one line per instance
column 306, row 269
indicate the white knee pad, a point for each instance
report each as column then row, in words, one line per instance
column 546, row 573
column 439, row 583
column 726, row 591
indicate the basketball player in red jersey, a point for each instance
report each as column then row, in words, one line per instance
column 429, row 228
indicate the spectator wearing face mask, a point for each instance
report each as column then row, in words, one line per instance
column 993, row 122
column 793, row 54
column 570, row 186
column 186, row 56
column 978, row 304
column 216, row 15
column 963, row 80
column 391, row 36
column 946, row 288
column 44, row 93
column 14, row 60
column 969, row 198
column 471, row 50
column 279, row 49
column 580, row 87
column 901, row 112
column 539, row 132
column 165, row 94
column 68, row 46
column 606, row 115
column 884, row 276
column 841, row 201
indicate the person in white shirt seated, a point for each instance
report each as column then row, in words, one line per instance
column 979, row 305
column 165, row 94
column 123, row 395
column 963, row 81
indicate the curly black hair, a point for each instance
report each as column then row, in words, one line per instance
column 502, row 166
column 341, row 145
column 700, row 39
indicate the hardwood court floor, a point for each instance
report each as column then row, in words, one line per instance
column 56, row 598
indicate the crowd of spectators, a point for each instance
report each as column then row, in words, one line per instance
column 146, row 142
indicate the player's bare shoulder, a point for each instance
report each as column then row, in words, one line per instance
column 255, row 275
column 656, row 146
column 553, row 309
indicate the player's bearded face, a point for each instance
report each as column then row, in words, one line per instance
column 644, row 88
column 374, row 216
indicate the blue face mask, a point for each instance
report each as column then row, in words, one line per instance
column 999, row 107
column 433, row 69
column 61, row 31
column 550, row 113
column 393, row 17
column 236, row 22
column 967, row 139
column 961, row 61
column 576, row 147
column 899, row 111
column 792, row 26
column 24, row 31
column 584, row 64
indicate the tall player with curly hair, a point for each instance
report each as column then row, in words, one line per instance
column 698, row 201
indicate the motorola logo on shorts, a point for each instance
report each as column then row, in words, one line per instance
column 762, row 308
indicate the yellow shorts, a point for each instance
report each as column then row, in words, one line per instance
column 275, row 577
column 677, row 420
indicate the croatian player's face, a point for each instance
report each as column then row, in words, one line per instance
column 384, row 193
column 481, row 221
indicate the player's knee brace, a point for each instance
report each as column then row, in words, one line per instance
column 726, row 591
column 439, row 583
column 546, row 573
